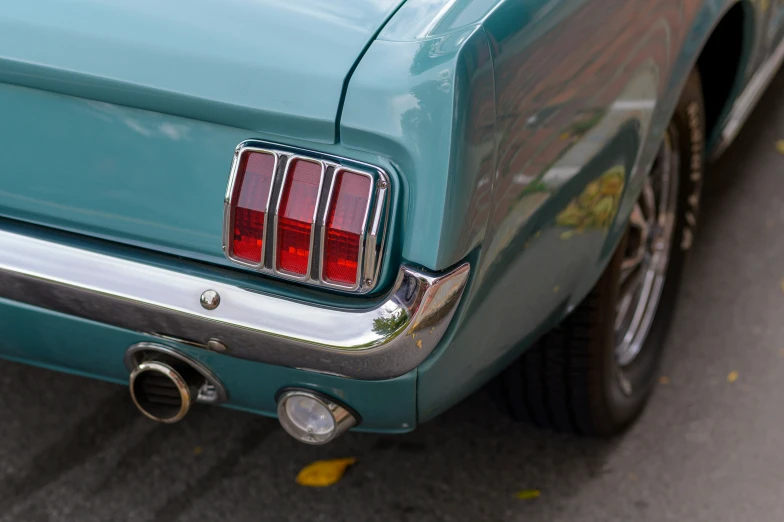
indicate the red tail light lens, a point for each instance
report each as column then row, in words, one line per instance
column 249, row 204
column 295, row 216
column 345, row 220
column 275, row 196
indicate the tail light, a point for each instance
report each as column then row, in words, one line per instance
column 296, row 216
column 313, row 218
column 250, row 200
column 346, row 219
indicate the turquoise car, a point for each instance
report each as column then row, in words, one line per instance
column 354, row 214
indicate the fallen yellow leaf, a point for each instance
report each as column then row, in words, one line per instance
column 780, row 146
column 664, row 380
column 732, row 376
column 528, row 494
column 782, row 285
column 323, row 473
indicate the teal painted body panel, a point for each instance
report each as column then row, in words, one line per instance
column 63, row 343
column 139, row 106
column 132, row 175
column 266, row 66
column 580, row 91
column 430, row 106
column 128, row 175
column 492, row 116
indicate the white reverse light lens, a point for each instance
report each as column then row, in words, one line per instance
column 313, row 418
column 310, row 416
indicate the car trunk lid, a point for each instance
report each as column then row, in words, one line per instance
column 120, row 119
column 264, row 65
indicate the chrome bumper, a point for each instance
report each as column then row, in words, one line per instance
column 377, row 343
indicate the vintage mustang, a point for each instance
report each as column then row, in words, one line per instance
column 353, row 214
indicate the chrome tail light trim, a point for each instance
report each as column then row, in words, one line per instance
column 374, row 230
column 374, row 241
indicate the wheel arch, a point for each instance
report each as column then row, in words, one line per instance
column 731, row 40
column 701, row 50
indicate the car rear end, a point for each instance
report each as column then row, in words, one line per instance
column 177, row 207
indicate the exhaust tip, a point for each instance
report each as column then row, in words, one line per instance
column 164, row 382
column 160, row 392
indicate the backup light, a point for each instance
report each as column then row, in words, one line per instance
column 312, row 418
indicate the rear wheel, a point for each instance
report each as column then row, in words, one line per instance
column 593, row 373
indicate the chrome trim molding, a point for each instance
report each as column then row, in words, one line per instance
column 373, row 233
column 372, row 263
column 748, row 99
column 382, row 342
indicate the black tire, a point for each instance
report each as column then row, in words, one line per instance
column 570, row 380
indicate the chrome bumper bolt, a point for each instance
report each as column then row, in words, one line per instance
column 209, row 300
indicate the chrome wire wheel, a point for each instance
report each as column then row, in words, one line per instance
column 647, row 255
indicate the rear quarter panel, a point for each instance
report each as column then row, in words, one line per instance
column 582, row 91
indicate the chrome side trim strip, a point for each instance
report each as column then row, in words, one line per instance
column 382, row 342
column 748, row 99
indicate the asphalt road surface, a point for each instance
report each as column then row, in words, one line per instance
column 705, row 449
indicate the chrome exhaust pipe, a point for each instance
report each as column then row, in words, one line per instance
column 165, row 383
column 161, row 392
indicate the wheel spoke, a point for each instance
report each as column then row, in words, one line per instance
column 639, row 230
column 627, row 295
column 648, row 204
column 647, row 252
